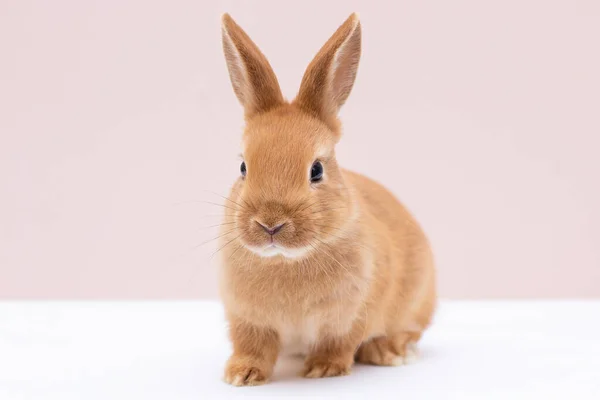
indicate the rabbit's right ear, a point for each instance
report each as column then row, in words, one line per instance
column 252, row 77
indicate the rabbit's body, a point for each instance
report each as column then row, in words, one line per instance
column 385, row 284
column 317, row 260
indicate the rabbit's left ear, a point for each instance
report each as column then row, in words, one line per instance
column 252, row 77
column 330, row 76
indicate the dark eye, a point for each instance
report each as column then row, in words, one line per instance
column 316, row 172
column 243, row 168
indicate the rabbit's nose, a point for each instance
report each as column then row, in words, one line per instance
column 271, row 230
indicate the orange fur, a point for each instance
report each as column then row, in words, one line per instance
column 352, row 274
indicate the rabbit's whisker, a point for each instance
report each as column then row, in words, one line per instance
column 338, row 263
column 235, row 251
column 215, row 238
column 247, row 203
column 217, row 225
column 226, row 198
column 305, row 208
column 208, row 202
column 225, row 245
column 216, row 215
column 327, row 209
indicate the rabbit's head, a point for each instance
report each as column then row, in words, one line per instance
column 291, row 195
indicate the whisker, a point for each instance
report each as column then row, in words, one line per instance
column 339, row 263
column 320, row 220
column 226, row 198
column 310, row 205
column 249, row 257
column 328, row 226
column 218, row 225
column 217, row 204
column 222, row 247
column 327, row 209
column 321, row 265
column 217, row 215
column 210, row 240
column 324, row 269
column 235, row 251
column 242, row 198
column 207, row 202
column 339, row 237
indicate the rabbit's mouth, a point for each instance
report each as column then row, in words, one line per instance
column 274, row 249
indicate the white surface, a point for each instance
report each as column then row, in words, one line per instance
column 176, row 350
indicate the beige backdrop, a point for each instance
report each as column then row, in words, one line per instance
column 117, row 119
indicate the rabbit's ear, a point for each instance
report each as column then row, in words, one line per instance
column 328, row 79
column 252, row 77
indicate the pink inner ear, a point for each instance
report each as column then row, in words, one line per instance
column 344, row 67
column 252, row 77
column 330, row 76
column 235, row 68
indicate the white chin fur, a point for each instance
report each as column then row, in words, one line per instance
column 272, row 251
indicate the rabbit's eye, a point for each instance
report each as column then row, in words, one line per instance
column 243, row 169
column 316, row 172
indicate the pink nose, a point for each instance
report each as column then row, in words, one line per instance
column 271, row 230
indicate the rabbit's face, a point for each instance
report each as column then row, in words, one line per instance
column 291, row 197
column 290, row 193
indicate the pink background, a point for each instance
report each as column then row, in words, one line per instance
column 117, row 118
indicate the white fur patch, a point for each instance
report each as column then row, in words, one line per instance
column 411, row 356
column 323, row 151
column 275, row 250
column 237, row 380
column 297, row 339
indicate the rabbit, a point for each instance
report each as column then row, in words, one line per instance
column 316, row 260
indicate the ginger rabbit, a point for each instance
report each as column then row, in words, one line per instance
column 316, row 260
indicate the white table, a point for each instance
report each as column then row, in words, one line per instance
column 176, row 350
